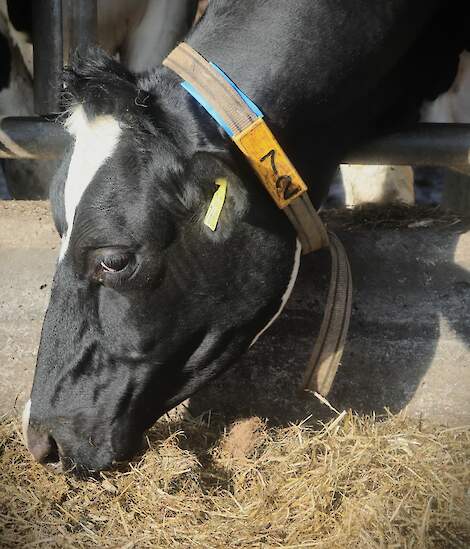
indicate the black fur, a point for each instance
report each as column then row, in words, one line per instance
column 118, row 350
column 20, row 13
column 5, row 65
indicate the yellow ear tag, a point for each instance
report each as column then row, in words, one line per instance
column 216, row 205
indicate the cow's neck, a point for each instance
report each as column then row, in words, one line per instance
column 321, row 80
column 290, row 56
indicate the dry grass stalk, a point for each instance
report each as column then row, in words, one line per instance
column 356, row 482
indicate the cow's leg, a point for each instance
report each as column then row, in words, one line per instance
column 456, row 193
column 115, row 20
column 454, row 106
column 377, row 184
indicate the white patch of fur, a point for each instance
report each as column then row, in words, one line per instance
column 453, row 106
column 95, row 141
column 290, row 287
column 25, row 421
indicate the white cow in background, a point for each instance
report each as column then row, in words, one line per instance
column 142, row 32
column 454, row 105
column 386, row 184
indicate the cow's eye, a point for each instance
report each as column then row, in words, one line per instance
column 113, row 266
column 115, row 263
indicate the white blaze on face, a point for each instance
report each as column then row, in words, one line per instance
column 25, row 420
column 95, row 141
column 290, row 287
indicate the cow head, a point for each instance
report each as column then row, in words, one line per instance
column 147, row 304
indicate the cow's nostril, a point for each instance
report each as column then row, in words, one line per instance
column 43, row 447
column 52, row 456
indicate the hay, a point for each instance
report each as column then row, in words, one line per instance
column 355, row 482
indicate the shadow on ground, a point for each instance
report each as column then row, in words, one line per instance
column 409, row 335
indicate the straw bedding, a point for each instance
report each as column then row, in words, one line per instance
column 353, row 482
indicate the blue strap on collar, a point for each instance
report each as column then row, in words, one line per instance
column 215, row 115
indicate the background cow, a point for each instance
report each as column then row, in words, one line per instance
column 385, row 184
column 140, row 32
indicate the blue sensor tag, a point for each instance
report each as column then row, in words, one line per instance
column 215, row 115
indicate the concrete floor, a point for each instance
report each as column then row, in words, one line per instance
column 28, row 250
column 409, row 337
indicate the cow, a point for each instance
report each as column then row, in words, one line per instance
column 453, row 106
column 140, row 32
column 385, row 184
column 147, row 303
column 16, row 99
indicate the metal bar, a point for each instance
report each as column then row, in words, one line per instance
column 83, row 24
column 32, row 137
column 421, row 145
column 47, row 55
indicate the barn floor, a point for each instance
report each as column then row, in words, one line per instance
column 409, row 336
column 366, row 478
column 28, row 251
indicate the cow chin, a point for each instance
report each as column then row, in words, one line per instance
column 82, row 425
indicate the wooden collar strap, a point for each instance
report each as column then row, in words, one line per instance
column 244, row 123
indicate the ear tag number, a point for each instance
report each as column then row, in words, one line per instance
column 216, row 205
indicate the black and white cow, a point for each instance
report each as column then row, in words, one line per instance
column 147, row 303
column 16, row 99
column 142, row 32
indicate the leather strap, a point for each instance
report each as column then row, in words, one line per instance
column 223, row 97
column 205, row 78
column 328, row 350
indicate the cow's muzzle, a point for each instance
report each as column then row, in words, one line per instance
column 57, row 446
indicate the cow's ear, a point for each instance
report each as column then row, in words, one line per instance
column 204, row 174
column 97, row 82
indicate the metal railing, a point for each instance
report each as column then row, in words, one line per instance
column 41, row 138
